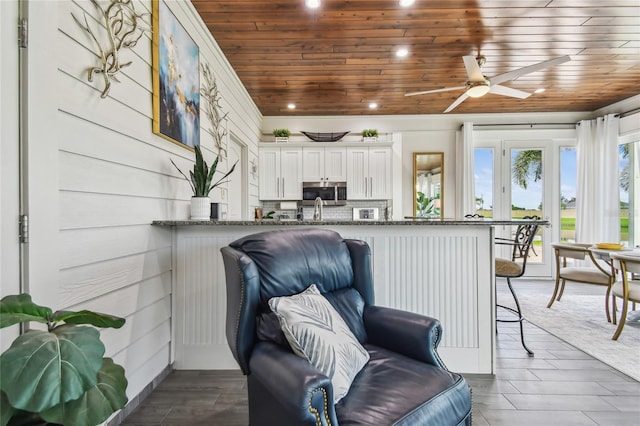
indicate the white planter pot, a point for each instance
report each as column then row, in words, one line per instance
column 200, row 208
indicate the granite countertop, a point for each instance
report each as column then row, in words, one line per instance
column 330, row 222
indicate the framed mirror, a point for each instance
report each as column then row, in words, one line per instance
column 428, row 184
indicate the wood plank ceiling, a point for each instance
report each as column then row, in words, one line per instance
column 339, row 58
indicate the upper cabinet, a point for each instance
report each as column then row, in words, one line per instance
column 324, row 164
column 369, row 173
column 365, row 167
column 280, row 173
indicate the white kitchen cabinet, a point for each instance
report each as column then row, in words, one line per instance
column 324, row 164
column 369, row 173
column 280, row 173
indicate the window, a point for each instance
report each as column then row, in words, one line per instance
column 568, row 174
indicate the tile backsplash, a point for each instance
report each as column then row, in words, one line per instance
column 328, row 212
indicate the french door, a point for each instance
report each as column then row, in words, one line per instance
column 527, row 178
column 518, row 174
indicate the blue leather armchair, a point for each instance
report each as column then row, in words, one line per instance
column 404, row 382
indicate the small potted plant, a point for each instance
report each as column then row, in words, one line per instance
column 202, row 183
column 58, row 375
column 282, row 135
column 369, row 135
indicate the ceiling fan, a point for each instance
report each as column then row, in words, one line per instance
column 479, row 85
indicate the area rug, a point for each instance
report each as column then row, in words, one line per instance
column 580, row 320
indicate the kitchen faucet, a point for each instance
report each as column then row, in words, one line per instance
column 317, row 209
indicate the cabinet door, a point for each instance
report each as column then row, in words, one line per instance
column 357, row 173
column 313, row 164
column 335, row 164
column 269, row 163
column 380, row 173
column 291, row 174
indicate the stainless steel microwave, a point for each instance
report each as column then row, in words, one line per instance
column 331, row 193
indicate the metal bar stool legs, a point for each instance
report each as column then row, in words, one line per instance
column 518, row 314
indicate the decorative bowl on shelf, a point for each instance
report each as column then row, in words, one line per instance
column 325, row 137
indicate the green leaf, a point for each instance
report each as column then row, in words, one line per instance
column 88, row 317
column 185, row 176
column 43, row 369
column 6, row 410
column 19, row 308
column 98, row 403
column 226, row 174
column 207, row 186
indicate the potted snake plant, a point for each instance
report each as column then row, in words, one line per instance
column 201, row 182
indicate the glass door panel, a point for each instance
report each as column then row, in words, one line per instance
column 483, row 163
column 527, row 193
column 568, row 175
column 527, row 173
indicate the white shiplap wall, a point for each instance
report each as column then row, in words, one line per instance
column 100, row 177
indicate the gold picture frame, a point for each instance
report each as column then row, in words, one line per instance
column 176, row 79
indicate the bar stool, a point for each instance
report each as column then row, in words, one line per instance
column 515, row 268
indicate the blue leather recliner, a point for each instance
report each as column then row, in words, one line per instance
column 404, row 382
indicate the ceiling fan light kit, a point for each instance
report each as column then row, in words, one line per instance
column 477, row 89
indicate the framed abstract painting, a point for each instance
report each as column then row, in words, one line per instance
column 176, row 79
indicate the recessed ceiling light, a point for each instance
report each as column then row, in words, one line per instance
column 373, row 105
column 291, row 106
column 407, row 3
column 402, row 52
column 312, row 4
column 540, row 90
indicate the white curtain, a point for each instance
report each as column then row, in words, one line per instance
column 597, row 192
column 465, row 182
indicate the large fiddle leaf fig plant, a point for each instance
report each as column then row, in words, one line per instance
column 58, row 375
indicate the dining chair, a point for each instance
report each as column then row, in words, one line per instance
column 626, row 288
column 594, row 274
column 515, row 267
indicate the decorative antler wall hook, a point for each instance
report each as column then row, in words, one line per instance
column 124, row 27
column 213, row 110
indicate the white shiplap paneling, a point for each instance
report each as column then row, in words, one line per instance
column 108, row 177
column 415, row 268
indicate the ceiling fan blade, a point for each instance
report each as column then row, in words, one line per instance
column 457, row 102
column 512, row 75
column 447, row 89
column 496, row 89
column 473, row 69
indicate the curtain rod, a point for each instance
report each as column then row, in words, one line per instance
column 522, row 124
column 620, row 115
column 626, row 113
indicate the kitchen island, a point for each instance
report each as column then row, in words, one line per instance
column 440, row 268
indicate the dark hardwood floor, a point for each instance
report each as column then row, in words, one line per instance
column 196, row 397
column 525, row 391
